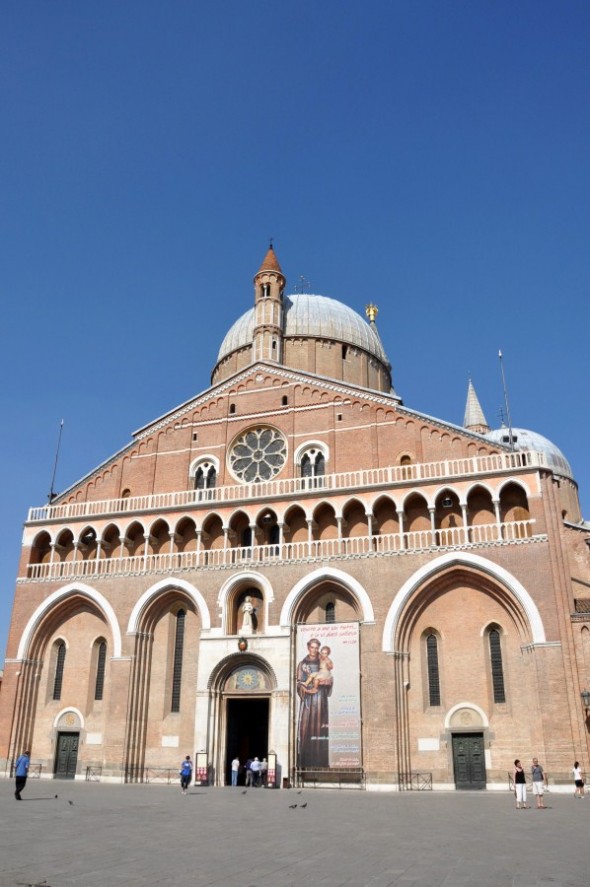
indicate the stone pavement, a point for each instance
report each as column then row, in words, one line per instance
column 97, row 835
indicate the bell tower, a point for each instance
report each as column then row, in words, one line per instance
column 269, row 284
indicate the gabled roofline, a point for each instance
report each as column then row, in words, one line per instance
column 344, row 388
column 278, row 370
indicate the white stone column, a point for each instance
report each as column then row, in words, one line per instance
column 431, row 509
column 400, row 517
column 465, row 526
column 496, row 503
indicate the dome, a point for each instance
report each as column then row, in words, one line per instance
column 311, row 316
column 530, row 440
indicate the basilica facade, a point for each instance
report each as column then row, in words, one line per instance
column 296, row 565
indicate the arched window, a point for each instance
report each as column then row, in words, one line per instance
column 313, row 466
column 60, row 660
column 432, row 667
column 177, row 670
column 205, row 477
column 331, row 612
column 496, row 666
column 100, row 669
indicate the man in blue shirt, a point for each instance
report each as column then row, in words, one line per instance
column 186, row 771
column 20, row 772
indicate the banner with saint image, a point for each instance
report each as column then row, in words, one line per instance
column 328, row 696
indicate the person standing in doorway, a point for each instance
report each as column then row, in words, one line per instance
column 578, row 780
column 186, row 771
column 248, row 769
column 21, row 771
column 539, row 780
column 235, row 769
column 519, row 780
column 255, row 769
column 263, row 771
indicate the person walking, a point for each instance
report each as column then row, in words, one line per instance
column 21, row 771
column 263, row 771
column 578, row 780
column 235, row 769
column 186, row 771
column 519, row 780
column 539, row 780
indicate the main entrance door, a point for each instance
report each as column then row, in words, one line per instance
column 247, row 732
column 469, row 761
column 66, row 757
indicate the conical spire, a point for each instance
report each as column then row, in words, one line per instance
column 270, row 262
column 474, row 418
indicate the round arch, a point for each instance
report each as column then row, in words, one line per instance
column 164, row 585
column 63, row 711
column 229, row 664
column 472, row 706
column 518, row 482
column 242, row 578
column 461, row 559
column 309, row 445
column 348, row 582
column 480, row 485
column 54, row 599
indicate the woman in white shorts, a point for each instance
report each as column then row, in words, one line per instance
column 519, row 780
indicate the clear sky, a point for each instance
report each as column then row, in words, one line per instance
column 430, row 156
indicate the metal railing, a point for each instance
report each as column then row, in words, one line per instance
column 415, row 781
column 288, row 552
column 161, row 774
column 93, row 774
column 390, row 476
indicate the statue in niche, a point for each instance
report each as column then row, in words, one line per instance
column 248, row 615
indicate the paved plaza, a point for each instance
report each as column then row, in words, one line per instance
column 98, row 835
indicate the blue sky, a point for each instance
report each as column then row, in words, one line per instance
column 431, row 157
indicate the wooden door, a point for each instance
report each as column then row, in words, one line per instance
column 469, row 761
column 66, row 758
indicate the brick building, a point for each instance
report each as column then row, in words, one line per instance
column 182, row 596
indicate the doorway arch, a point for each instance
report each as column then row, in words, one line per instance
column 242, row 689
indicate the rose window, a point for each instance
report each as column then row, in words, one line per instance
column 258, row 455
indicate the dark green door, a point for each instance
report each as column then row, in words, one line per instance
column 469, row 761
column 66, row 758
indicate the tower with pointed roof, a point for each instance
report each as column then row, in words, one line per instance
column 474, row 419
column 269, row 284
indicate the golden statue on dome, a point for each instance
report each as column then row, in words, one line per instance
column 371, row 311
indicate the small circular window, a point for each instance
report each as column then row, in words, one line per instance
column 258, row 455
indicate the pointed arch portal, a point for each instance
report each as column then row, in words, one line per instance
column 462, row 559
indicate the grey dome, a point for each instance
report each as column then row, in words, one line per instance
column 530, row 440
column 311, row 316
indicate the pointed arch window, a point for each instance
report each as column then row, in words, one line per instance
column 100, row 671
column 205, row 477
column 177, row 668
column 60, row 661
column 496, row 665
column 433, row 670
column 313, row 466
